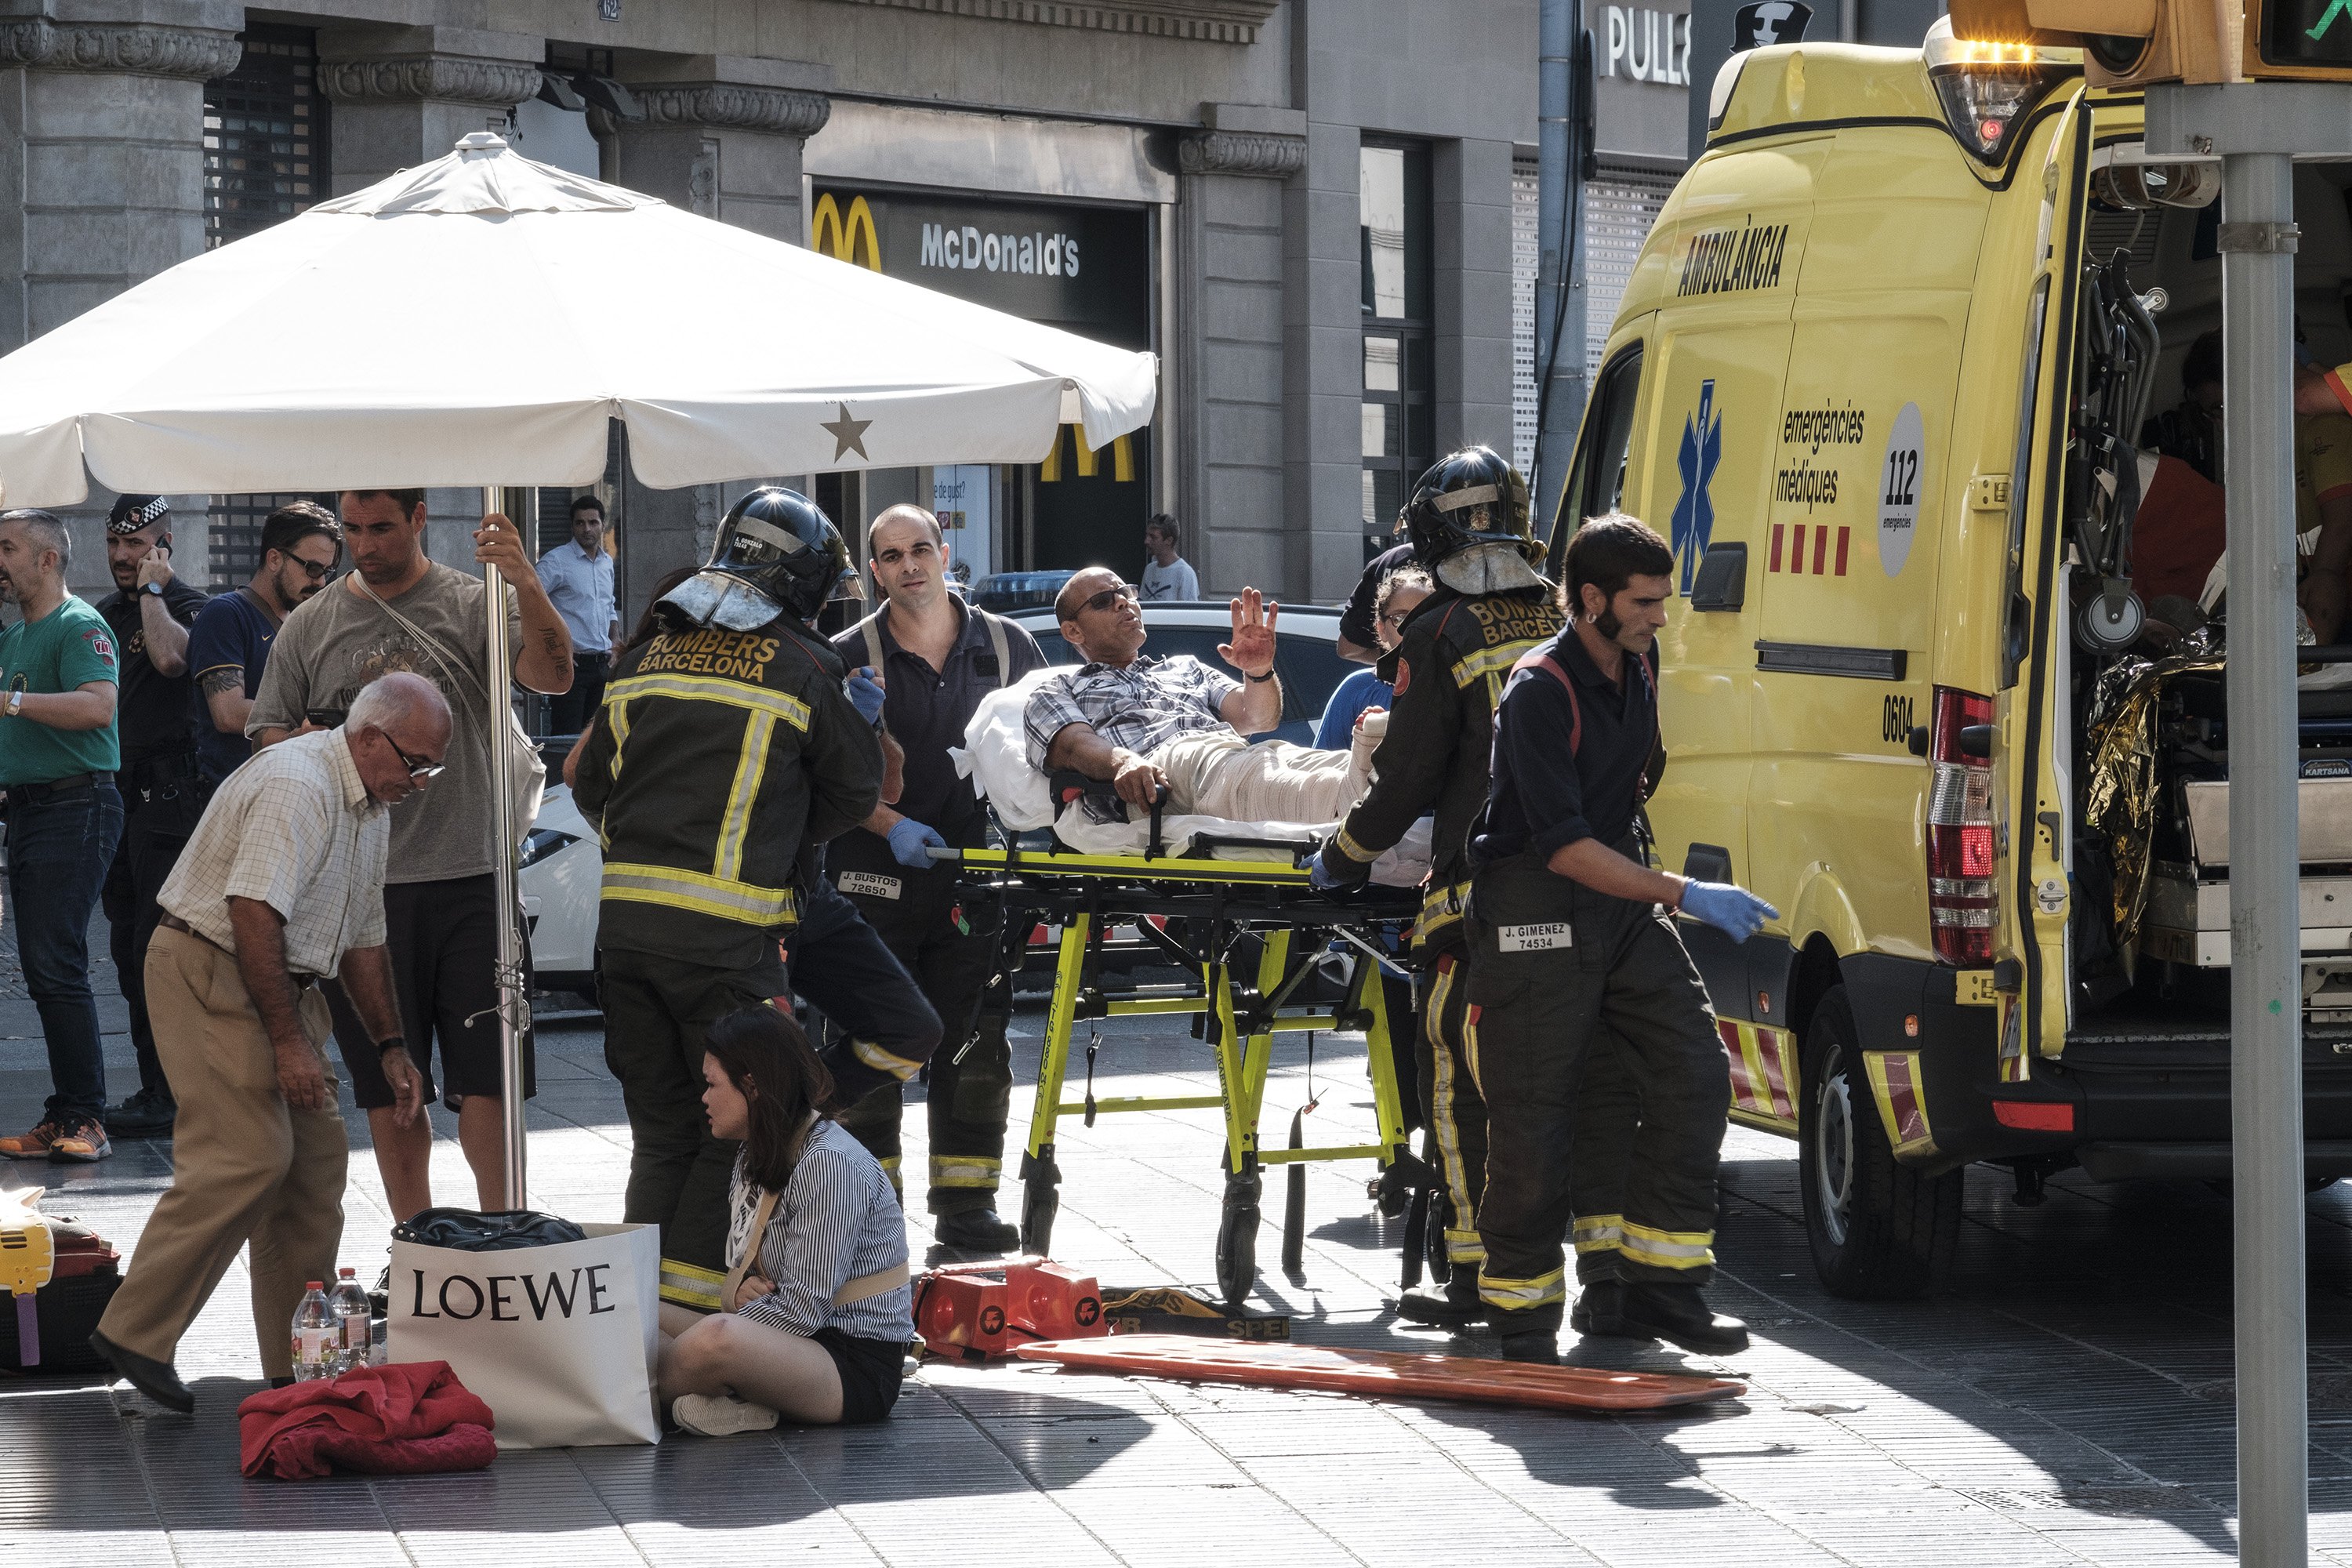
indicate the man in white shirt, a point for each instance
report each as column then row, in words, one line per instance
column 282, row 888
column 578, row 577
column 1166, row 576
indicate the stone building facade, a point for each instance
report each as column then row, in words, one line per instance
column 1306, row 208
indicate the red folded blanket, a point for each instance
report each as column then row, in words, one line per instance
column 409, row 1418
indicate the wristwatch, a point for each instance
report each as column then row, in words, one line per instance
column 1257, row 679
column 16, row 702
column 390, row 1043
column 154, row 588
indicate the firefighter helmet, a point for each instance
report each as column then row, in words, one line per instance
column 778, row 544
column 1471, row 497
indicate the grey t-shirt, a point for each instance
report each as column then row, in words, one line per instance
column 337, row 641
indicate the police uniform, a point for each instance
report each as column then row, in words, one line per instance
column 948, row 945
column 718, row 755
column 1561, row 970
column 1455, row 650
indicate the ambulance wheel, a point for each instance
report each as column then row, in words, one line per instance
column 1039, row 1204
column 1237, row 1251
column 1879, row 1230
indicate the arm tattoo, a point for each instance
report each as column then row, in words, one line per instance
column 229, row 678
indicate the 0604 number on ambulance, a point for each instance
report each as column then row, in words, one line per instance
column 1919, row 371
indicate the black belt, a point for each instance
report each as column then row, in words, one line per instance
column 592, row 658
column 33, row 794
column 170, row 922
column 175, row 767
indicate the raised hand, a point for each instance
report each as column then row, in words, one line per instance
column 1252, row 649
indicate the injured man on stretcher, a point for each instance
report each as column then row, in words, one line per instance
column 1146, row 723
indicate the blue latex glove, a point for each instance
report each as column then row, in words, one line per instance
column 1321, row 879
column 865, row 693
column 910, row 839
column 1735, row 912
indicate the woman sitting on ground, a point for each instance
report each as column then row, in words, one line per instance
column 820, row 1314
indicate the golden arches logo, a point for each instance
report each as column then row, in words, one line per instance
column 833, row 234
column 1122, row 459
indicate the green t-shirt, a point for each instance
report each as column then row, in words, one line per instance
column 64, row 650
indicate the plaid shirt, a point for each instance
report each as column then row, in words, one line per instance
column 1141, row 708
column 294, row 829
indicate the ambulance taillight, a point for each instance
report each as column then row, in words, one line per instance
column 1961, row 906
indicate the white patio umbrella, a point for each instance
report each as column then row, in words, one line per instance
column 481, row 319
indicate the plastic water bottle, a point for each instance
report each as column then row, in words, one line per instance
column 348, row 1307
column 315, row 1333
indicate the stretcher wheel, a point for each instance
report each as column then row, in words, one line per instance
column 1237, row 1248
column 1040, row 1201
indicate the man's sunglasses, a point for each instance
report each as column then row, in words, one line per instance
column 1107, row 598
column 318, row 573
column 420, row 771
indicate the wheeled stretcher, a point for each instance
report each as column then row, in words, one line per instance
column 1203, row 913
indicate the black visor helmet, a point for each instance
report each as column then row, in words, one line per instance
column 1471, row 497
column 782, row 543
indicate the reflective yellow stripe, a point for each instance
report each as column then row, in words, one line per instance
column 1355, row 851
column 1518, row 1295
column 880, row 1060
column 1601, row 1233
column 1669, row 1249
column 618, row 714
column 750, row 767
column 1442, row 906
column 1441, row 1111
column 965, row 1171
column 690, row 1285
column 1464, row 1246
column 702, row 895
column 1494, row 662
column 711, row 688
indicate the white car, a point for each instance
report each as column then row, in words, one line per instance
column 562, row 868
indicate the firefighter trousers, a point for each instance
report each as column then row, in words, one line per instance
column 655, row 1010
column 881, row 1030
column 1561, row 973
column 949, row 948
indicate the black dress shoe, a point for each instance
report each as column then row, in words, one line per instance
column 976, row 1230
column 144, row 1115
column 154, row 1378
column 1442, row 1307
column 1600, row 1312
column 1679, row 1315
column 1539, row 1349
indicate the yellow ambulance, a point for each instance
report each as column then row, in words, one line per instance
column 1891, row 371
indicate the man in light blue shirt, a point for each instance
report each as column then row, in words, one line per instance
column 578, row 578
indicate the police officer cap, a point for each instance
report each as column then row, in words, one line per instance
column 1473, row 497
column 132, row 514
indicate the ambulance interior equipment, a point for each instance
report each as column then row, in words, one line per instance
column 1229, row 905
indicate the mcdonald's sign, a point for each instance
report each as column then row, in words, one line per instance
column 1089, row 459
column 845, row 235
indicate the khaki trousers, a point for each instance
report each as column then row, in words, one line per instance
column 246, row 1167
column 1223, row 776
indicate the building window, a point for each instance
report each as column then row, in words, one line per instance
column 1399, row 425
column 265, row 160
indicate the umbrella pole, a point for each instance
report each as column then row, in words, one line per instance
column 513, row 1003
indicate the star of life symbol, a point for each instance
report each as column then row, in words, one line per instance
column 1694, row 517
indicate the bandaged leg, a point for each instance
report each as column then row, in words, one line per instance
column 1225, row 776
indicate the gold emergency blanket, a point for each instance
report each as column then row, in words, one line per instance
column 2119, row 792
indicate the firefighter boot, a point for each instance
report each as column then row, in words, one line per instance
column 976, row 1230
column 1453, row 1305
column 1600, row 1312
column 1679, row 1315
column 1530, row 1335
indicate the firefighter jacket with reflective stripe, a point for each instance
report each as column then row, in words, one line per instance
column 716, row 757
column 1448, row 672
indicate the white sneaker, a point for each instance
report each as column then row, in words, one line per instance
column 720, row 1414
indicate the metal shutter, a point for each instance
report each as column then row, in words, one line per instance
column 1621, row 202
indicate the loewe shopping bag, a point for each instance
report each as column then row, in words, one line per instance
column 559, row 1341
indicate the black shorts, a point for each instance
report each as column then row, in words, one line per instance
column 871, row 1372
column 444, row 941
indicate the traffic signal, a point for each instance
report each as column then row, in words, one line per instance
column 2132, row 43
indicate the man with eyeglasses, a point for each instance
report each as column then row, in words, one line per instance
column 1149, row 724
column 282, row 888
column 150, row 612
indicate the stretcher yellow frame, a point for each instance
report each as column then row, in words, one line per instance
column 1243, row 1060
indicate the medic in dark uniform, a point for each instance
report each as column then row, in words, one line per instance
column 1575, row 951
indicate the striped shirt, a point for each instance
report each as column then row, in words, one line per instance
column 294, row 829
column 1141, row 708
column 837, row 1221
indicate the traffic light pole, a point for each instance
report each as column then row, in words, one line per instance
column 2257, row 130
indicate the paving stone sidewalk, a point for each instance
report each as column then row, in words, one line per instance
column 2066, row 1402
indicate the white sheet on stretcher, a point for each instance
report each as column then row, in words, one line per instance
column 995, row 756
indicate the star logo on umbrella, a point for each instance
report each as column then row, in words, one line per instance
column 848, row 435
